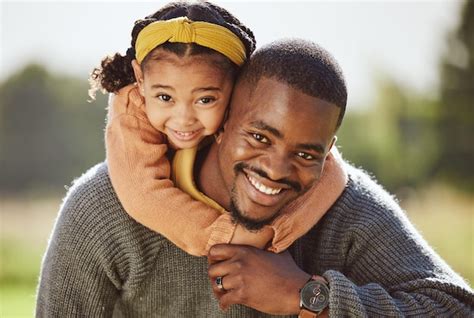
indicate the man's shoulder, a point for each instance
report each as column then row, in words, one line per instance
column 90, row 191
column 94, row 235
column 364, row 185
column 90, row 181
column 92, row 207
column 363, row 217
column 365, row 200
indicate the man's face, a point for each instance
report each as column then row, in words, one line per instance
column 273, row 148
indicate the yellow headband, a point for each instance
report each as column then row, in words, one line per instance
column 183, row 30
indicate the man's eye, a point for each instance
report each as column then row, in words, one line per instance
column 164, row 97
column 305, row 156
column 260, row 138
column 206, row 100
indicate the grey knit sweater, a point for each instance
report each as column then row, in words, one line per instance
column 101, row 263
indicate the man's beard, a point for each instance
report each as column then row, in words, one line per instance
column 239, row 217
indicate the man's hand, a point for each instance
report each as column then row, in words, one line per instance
column 258, row 279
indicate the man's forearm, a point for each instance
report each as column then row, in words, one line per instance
column 271, row 283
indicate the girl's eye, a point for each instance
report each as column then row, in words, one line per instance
column 260, row 138
column 164, row 97
column 206, row 100
column 305, row 156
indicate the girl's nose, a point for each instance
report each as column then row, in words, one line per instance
column 184, row 115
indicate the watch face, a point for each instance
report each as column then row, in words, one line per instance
column 315, row 296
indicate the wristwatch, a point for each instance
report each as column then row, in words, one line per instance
column 314, row 297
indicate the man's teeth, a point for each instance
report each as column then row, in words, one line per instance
column 260, row 187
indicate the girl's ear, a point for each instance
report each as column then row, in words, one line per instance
column 137, row 70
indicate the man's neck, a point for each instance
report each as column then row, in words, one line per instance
column 209, row 179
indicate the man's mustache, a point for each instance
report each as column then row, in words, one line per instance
column 239, row 167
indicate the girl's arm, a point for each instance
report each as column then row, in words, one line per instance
column 140, row 175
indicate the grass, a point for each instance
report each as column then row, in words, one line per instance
column 442, row 215
column 17, row 300
column 445, row 218
column 25, row 227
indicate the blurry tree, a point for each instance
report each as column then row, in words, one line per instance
column 406, row 138
column 49, row 133
column 395, row 139
column 456, row 120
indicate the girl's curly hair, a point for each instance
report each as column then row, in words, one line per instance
column 116, row 71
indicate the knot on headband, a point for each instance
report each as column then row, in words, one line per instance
column 183, row 30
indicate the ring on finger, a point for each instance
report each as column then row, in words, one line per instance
column 220, row 282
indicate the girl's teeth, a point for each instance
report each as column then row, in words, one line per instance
column 264, row 189
column 185, row 134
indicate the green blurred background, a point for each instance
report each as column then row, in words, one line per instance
column 417, row 144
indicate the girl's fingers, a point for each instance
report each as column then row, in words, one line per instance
column 222, row 252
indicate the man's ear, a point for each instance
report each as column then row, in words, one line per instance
column 137, row 70
column 226, row 114
column 220, row 132
column 333, row 142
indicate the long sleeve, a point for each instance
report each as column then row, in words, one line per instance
column 140, row 174
column 378, row 265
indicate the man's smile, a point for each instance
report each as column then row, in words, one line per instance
column 262, row 191
column 262, row 188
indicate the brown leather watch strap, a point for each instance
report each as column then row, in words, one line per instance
column 307, row 314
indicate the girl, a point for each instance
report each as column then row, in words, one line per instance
column 172, row 90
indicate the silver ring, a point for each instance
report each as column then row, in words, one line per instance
column 219, row 283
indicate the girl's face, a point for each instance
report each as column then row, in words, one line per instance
column 185, row 97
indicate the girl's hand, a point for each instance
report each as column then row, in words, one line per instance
column 259, row 239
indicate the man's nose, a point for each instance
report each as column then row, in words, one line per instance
column 277, row 166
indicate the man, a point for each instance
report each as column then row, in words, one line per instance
column 374, row 261
column 364, row 257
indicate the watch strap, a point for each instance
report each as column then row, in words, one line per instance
column 320, row 279
column 304, row 313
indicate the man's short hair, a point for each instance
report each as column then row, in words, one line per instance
column 302, row 64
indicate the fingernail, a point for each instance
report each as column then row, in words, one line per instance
column 211, row 251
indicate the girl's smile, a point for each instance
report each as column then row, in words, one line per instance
column 184, row 136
